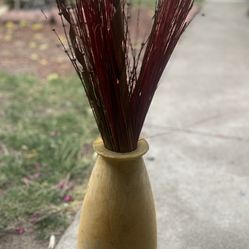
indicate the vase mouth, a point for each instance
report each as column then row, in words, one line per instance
column 100, row 149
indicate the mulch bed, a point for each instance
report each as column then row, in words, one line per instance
column 31, row 48
column 28, row 44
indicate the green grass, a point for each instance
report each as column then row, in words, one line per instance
column 199, row 1
column 45, row 131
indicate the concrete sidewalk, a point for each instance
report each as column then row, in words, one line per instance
column 198, row 130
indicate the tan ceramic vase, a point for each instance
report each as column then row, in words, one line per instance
column 118, row 210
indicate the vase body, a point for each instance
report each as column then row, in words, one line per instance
column 118, row 210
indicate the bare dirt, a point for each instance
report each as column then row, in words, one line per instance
column 31, row 49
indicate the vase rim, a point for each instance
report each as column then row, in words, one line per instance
column 100, row 149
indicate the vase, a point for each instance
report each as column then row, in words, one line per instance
column 118, row 211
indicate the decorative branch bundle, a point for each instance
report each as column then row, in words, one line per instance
column 120, row 80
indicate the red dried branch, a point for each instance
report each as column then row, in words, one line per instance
column 119, row 81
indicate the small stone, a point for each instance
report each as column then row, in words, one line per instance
column 52, row 242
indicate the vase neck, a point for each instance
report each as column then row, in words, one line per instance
column 141, row 150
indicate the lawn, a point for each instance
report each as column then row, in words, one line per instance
column 45, row 153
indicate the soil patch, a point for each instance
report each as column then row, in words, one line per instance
column 32, row 49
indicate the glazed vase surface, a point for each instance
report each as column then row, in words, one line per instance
column 118, row 210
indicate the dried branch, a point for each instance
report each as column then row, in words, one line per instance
column 119, row 81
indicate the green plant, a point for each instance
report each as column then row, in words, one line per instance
column 45, row 131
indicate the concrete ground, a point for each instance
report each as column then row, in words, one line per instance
column 198, row 130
